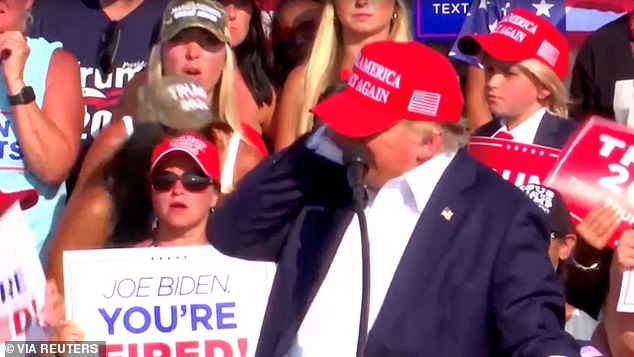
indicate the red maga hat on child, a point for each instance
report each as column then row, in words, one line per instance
column 27, row 199
column 203, row 152
column 391, row 81
column 520, row 36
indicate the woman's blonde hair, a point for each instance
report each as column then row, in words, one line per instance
column 557, row 102
column 324, row 57
column 224, row 104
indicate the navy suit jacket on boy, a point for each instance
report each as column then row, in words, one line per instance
column 553, row 131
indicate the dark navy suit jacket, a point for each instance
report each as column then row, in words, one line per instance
column 477, row 285
column 553, row 131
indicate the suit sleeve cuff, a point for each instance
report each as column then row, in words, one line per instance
column 321, row 144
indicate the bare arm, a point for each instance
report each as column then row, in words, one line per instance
column 49, row 137
column 476, row 107
column 288, row 110
column 85, row 224
column 86, row 221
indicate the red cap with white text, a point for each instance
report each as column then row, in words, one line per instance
column 391, row 81
column 203, row 152
column 520, row 36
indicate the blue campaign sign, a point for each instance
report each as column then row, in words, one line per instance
column 439, row 20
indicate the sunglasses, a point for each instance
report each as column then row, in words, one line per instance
column 192, row 181
column 108, row 47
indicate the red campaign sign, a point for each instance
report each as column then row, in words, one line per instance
column 517, row 162
column 596, row 170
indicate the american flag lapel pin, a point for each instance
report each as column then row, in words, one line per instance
column 447, row 213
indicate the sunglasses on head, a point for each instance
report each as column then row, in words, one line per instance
column 192, row 181
column 108, row 47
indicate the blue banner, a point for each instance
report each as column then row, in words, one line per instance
column 438, row 20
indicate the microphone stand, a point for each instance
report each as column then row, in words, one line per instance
column 355, row 157
column 359, row 205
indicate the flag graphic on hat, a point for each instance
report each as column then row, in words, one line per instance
column 423, row 102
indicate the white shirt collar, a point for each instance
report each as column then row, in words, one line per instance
column 525, row 132
column 417, row 184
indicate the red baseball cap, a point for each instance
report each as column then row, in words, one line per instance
column 27, row 199
column 391, row 81
column 203, row 152
column 520, row 36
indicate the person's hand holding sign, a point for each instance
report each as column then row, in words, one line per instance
column 598, row 226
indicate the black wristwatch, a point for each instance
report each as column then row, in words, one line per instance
column 25, row 96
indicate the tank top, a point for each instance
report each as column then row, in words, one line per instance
column 229, row 166
column 14, row 176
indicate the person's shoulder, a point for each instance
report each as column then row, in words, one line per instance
column 563, row 125
column 495, row 192
column 295, row 78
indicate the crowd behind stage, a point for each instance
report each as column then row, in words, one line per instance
column 135, row 120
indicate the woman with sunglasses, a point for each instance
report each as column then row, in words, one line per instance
column 101, row 211
column 345, row 27
column 40, row 116
column 185, row 184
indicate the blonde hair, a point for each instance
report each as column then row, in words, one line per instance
column 224, row 103
column 455, row 134
column 557, row 102
column 325, row 54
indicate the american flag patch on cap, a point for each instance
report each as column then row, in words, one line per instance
column 548, row 52
column 423, row 102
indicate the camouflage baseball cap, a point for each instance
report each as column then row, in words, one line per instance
column 183, row 14
column 176, row 102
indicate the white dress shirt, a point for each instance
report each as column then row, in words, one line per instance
column 525, row 132
column 332, row 321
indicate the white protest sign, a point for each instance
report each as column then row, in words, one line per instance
column 626, row 296
column 181, row 301
column 22, row 281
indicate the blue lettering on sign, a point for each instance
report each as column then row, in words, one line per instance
column 439, row 20
column 138, row 319
column 9, row 146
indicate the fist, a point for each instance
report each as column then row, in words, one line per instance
column 13, row 54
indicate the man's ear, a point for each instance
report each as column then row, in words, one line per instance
column 429, row 148
column 568, row 245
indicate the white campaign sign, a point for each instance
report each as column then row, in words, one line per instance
column 22, row 282
column 181, row 301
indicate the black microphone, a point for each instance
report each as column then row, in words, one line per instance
column 355, row 158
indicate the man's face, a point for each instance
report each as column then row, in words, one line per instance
column 397, row 150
